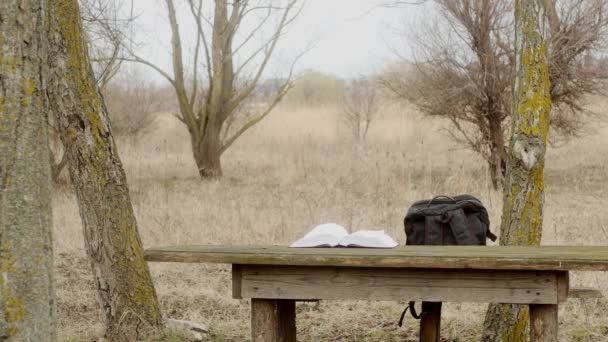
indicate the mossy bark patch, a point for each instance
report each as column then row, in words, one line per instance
column 523, row 197
column 27, row 306
column 122, row 278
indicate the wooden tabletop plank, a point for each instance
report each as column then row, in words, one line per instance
column 574, row 258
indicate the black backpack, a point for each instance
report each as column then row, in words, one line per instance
column 443, row 220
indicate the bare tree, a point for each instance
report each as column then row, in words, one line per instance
column 468, row 59
column 359, row 106
column 209, row 97
column 122, row 279
column 523, row 198
column 27, row 298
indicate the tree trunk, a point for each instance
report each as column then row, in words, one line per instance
column 122, row 278
column 206, row 107
column 497, row 161
column 207, row 153
column 505, row 323
column 27, row 306
column 524, row 182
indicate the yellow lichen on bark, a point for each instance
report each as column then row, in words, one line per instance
column 9, row 64
column 26, row 266
column 28, row 86
column 522, row 210
column 67, row 14
column 13, row 307
column 535, row 100
column 518, row 329
column 14, row 311
column 523, row 195
column 124, row 285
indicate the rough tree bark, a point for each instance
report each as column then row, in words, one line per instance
column 523, row 197
column 27, row 307
column 497, row 161
column 57, row 166
column 122, row 278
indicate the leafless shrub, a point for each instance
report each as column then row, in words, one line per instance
column 132, row 103
column 466, row 63
column 359, row 106
column 578, row 30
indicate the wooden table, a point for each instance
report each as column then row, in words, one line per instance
column 276, row 277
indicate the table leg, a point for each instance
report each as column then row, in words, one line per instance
column 543, row 322
column 430, row 322
column 273, row 320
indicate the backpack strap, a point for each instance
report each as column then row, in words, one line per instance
column 459, row 225
column 412, row 312
column 433, row 230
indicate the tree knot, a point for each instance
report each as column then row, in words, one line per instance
column 529, row 150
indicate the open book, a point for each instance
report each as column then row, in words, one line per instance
column 333, row 235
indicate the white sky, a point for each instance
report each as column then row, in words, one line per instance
column 348, row 38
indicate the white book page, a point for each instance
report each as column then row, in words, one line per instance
column 324, row 235
column 368, row 238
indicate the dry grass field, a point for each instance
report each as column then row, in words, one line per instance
column 298, row 169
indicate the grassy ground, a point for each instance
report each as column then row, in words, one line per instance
column 298, row 169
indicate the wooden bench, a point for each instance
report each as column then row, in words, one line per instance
column 276, row 277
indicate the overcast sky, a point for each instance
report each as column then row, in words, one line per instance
column 348, row 38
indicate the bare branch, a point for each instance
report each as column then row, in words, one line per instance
column 249, row 89
column 137, row 59
column 196, row 52
column 251, row 122
column 178, row 71
column 283, row 90
column 255, row 30
column 105, row 28
column 201, row 34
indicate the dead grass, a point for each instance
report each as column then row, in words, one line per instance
column 297, row 169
